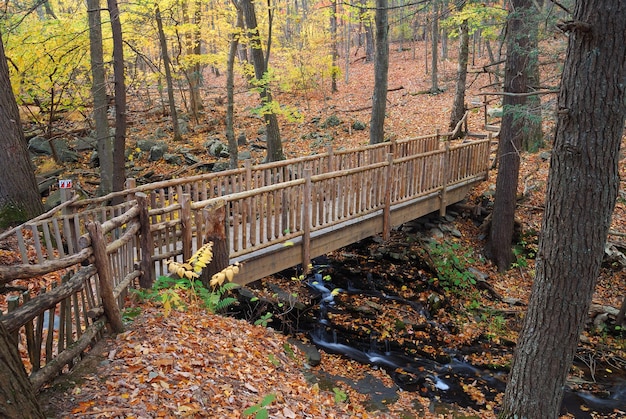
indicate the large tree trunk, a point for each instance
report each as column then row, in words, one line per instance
column 458, row 108
column 533, row 134
column 168, row 74
column 99, row 94
column 119, row 147
column 511, row 133
column 19, row 194
column 381, row 68
column 233, row 151
column 582, row 188
column 274, row 145
column 17, row 398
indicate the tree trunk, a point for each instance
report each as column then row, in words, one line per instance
column 119, row 146
column 458, row 108
column 168, row 74
column 17, row 398
column 216, row 224
column 274, row 145
column 19, row 194
column 233, row 150
column 100, row 101
column 334, row 52
column 369, row 36
column 381, row 67
column 434, row 83
column 583, row 185
column 511, row 133
column 533, row 134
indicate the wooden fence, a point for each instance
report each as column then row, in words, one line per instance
column 100, row 251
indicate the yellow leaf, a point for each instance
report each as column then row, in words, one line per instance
column 288, row 243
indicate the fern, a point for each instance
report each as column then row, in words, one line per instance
column 166, row 288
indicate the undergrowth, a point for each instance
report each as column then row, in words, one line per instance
column 183, row 288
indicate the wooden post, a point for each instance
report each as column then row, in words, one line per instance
column 306, row 222
column 444, row 186
column 145, row 243
column 485, row 110
column 331, row 163
column 185, row 221
column 215, row 221
column 387, row 207
column 247, row 164
column 487, row 165
column 111, row 310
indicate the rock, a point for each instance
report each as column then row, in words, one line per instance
column 244, row 155
column 86, row 143
column 191, row 159
column 157, row 151
column 241, row 139
column 146, row 145
column 545, row 155
column 358, row 126
column 39, row 145
column 173, row 159
column 159, row 133
column 312, row 354
column 216, row 148
column 436, row 233
column 331, row 121
column 53, row 200
column 220, row 166
column 456, row 233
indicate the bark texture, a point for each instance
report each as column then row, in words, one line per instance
column 17, row 398
column 168, row 74
column 19, row 194
column 274, row 144
column 511, row 134
column 381, row 69
column 458, row 108
column 99, row 95
column 582, row 188
column 119, row 148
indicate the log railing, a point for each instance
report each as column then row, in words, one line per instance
column 101, row 250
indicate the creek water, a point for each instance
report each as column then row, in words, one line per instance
column 333, row 318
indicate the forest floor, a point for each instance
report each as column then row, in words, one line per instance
column 194, row 364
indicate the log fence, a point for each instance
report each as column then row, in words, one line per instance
column 277, row 215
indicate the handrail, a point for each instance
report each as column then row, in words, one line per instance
column 267, row 205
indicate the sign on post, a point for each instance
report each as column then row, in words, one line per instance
column 65, row 183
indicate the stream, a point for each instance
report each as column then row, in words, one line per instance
column 390, row 318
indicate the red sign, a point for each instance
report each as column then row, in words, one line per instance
column 65, row 183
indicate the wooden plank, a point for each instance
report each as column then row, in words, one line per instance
column 279, row 257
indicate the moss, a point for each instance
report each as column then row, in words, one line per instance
column 11, row 214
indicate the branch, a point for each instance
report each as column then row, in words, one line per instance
column 540, row 92
column 572, row 25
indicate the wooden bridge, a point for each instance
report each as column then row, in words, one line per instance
column 278, row 215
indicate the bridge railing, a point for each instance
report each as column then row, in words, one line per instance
column 267, row 205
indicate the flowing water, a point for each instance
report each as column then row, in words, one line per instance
column 343, row 316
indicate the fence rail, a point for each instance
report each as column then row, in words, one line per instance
column 94, row 252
